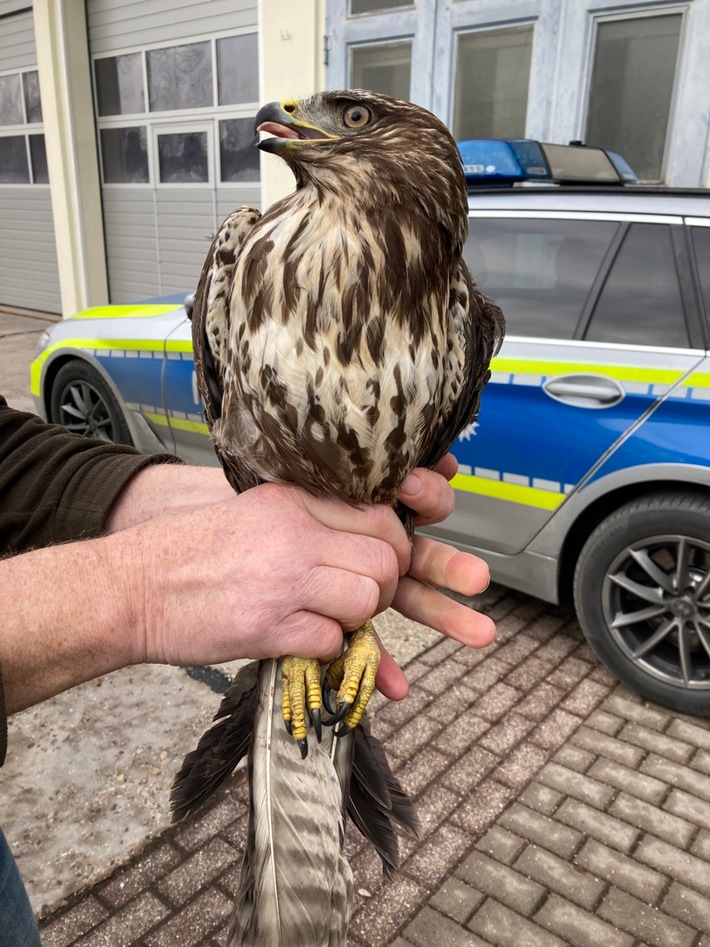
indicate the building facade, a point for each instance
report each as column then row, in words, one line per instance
column 126, row 127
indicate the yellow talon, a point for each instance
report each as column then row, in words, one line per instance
column 353, row 675
column 300, row 686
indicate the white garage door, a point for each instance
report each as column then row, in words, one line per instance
column 176, row 90
column 29, row 277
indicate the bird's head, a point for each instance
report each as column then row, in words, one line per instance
column 371, row 148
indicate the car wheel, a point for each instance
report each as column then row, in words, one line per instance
column 642, row 592
column 83, row 402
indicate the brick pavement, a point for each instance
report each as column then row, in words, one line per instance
column 558, row 809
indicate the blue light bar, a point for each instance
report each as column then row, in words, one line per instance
column 491, row 162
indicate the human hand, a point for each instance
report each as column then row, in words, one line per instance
column 269, row 572
column 436, row 565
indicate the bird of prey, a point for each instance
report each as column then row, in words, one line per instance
column 339, row 342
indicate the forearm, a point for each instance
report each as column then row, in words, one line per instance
column 68, row 619
column 166, row 489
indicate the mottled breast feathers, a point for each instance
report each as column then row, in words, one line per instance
column 339, row 339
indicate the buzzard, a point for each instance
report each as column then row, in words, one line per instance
column 339, row 342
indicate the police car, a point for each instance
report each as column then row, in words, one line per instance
column 587, row 475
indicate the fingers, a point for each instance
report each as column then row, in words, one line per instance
column 391, row 679
column 429, row 493
column 447, row 466
column 444, row 566
column 426, row 605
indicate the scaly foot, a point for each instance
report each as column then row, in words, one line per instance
column 352, row 674
column 300, row 687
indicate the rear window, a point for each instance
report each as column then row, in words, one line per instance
column 640, row 303
column 540, row 272
column 701, row 244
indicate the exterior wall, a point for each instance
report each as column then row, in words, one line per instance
column 29, row 276
column 560, row 74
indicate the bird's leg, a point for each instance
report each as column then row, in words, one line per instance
column 352, row 674
column 300, row 687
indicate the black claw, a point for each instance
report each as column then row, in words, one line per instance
column 287, row 724
column 303, row 747
column 326, row 699
column 343, row 730
column 340, row 711
column 315, row 720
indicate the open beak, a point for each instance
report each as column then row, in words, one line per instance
column 278, row 119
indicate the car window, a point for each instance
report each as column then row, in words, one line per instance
column 539, row 272
column 701, row 243
column 640, row 303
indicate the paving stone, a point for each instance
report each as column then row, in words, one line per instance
column 580, row 786
column 499, row 881
column 483, row 678
column 529, row 673
column 685, row 805
column 701, row 845
column 688, row 906
column 683, row 777
column 544, row 627
column 540, row 701
column 151, row 867
column 456, row 899
column 696, row 734
column 574, row 757
column 520, row 766
column 645, row 923
column 379, row 919
column 429, row 927
column 559, row 875
column 501, row 926
column 198, row 870
column 192, row 925
column 605, row 722
column 399, row 712
column 556, row 649
column 579, row 927
column 480, row 810
column 469, row 771
column 602, row 745
column 570, row 672
column 455, row 740
column 129, row 924
column 642, row 815
column 450, row 708
column 517, row 650
column 598, row 825
column 69, row 927
column 416, row 773
column 701, row 762
column 441, row 677
column 541, row 798
column 407, row 741
column 500, row 844
column 434, row 806
column 496, row 702
column 670, row 747
column 680, row 865
column 635, row 783
column 585, row 697
column 621, row 870
column 552, row 732
column 204, row 825
column 501, row 738
column 547, row 832
column 650, row 717
column 438, row 856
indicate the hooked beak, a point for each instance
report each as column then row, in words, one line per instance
column 278, row 119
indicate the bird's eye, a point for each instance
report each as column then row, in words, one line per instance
column 356, row 116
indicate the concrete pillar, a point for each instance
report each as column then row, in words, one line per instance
column 72, row 156
column 291, row 54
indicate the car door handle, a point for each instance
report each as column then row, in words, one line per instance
column 585, row 391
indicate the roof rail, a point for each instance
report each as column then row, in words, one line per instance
column 501, row 162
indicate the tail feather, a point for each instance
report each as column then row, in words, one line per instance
column 220, row 748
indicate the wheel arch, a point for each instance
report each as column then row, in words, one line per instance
column 598, row 510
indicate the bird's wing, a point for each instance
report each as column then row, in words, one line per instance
column 475, row 332
column 210, row 330
column 296, row 886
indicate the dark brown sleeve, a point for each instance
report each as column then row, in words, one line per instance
column 54, row 487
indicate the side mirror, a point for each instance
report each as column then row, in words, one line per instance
column 188, row 303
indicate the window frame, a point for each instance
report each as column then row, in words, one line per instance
column 639, row 13
column 24, row 129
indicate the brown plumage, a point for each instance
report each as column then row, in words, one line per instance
column 339, row 342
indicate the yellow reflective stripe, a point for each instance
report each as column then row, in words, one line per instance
column 511, row 492
column 178, row 345
column 697, row 380
column 132, row 345
column 182, row 424
column 521, row 366
column 127, row 312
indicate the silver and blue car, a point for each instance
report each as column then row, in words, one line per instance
column 587, row 476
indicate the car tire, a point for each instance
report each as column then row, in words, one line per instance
column 82, row 401
column 642, row 593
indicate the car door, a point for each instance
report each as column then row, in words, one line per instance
column 596, row 335
column 182, row 401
